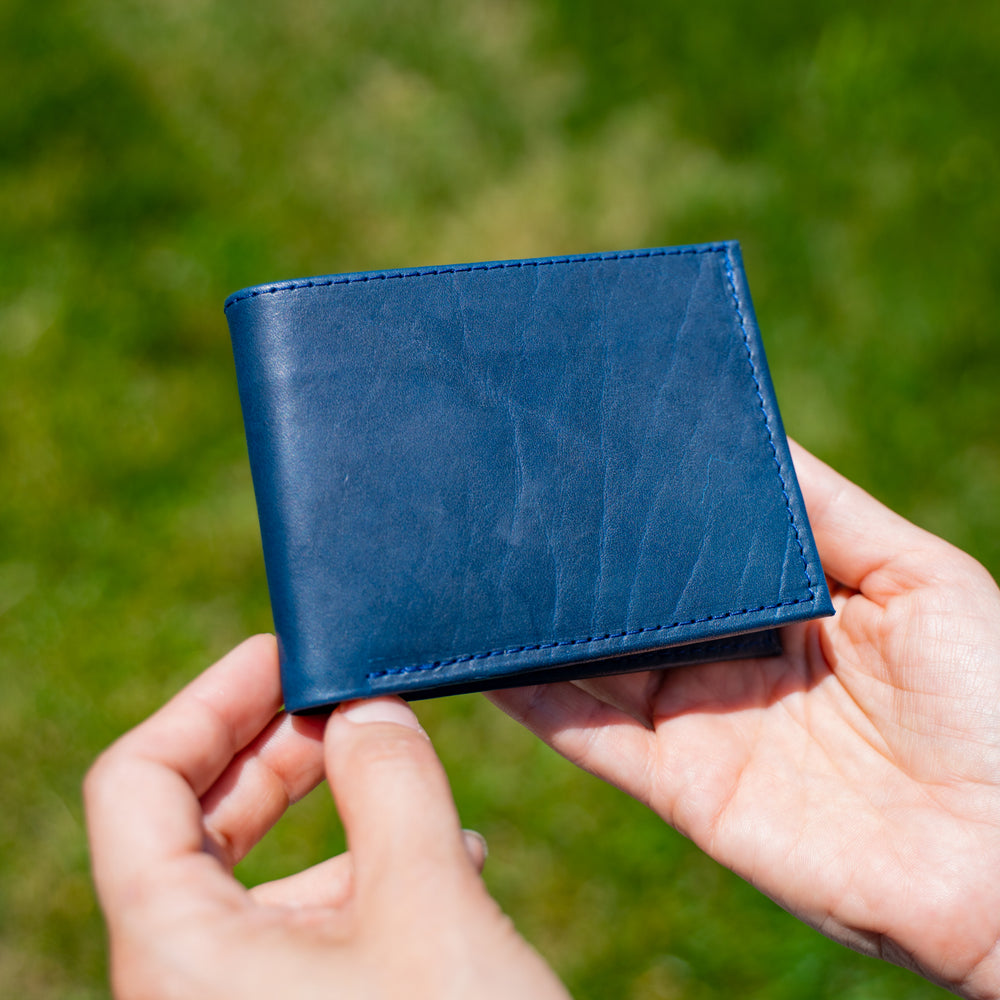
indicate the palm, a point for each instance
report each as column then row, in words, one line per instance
column 856, row 778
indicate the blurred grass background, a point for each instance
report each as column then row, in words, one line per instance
column 156, row 156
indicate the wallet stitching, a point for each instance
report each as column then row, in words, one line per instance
column 464, row 268
column 588, row 258
column 767, row 426
column 557, row 643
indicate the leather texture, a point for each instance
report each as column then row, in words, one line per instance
column 501, row 473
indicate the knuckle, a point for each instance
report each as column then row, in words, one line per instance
column 98, row 775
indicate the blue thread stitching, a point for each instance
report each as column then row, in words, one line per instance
column 583, row 259
column 462, row 269
column 556, row 643
column 767, row 425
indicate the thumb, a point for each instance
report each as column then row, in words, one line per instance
column 395, row 802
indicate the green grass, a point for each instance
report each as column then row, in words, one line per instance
column 155, row 157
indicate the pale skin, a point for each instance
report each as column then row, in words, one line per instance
column 855, row 779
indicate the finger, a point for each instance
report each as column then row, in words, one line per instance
column 142, row 793
column 594, row 735
column 630, row 693
column 328, row 884
column 279, row 767
column 861, row 542
column 331, row 883
column 395, row 802
column 199, row 731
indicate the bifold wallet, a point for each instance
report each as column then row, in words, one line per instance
column 506, row 473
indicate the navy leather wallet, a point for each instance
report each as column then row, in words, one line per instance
column 503, row 473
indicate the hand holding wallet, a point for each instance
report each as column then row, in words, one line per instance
column 504, row 473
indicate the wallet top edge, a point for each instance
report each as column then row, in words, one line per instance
column 351, row 277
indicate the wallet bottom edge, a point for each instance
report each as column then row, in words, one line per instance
column 765, row 643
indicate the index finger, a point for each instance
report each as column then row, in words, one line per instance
column 856, row 535
column 142, row 794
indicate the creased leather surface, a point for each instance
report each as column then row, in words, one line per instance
column 472, row 472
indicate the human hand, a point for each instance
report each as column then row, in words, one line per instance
column 175, row 803
column 856, row 778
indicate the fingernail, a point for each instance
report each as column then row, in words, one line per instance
column 479, row 839
column 380, row 710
